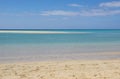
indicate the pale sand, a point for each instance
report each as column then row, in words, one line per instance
column 91, row 69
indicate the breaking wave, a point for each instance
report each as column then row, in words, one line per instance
column 43, row 32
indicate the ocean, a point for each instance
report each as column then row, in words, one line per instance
column 59, row 44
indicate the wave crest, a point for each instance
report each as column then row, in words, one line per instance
column 43, row 32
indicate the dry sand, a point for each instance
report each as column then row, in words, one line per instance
column 92, row 69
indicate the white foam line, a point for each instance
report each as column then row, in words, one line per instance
column 43, row 32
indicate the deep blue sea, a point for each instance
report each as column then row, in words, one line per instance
column 35, row 45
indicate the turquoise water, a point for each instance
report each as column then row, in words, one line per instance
column 88, row 36
column 58, row 44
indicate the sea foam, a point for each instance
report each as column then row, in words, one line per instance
column 42, row 32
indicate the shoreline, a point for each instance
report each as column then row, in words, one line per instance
column 63, row 57
column 58, row 61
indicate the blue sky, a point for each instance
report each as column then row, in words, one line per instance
column 59, row 14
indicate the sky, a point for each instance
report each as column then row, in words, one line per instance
column 59, row 14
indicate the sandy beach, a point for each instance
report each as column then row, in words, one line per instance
column 80, row 69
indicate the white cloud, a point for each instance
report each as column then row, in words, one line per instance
column 99, row 12
column 92, row 12
column 75, row 5
column 110, row 4
column 59, row 13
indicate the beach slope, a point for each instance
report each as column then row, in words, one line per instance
column 92, row 69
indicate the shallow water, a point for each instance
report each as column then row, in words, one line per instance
column 58, row 44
